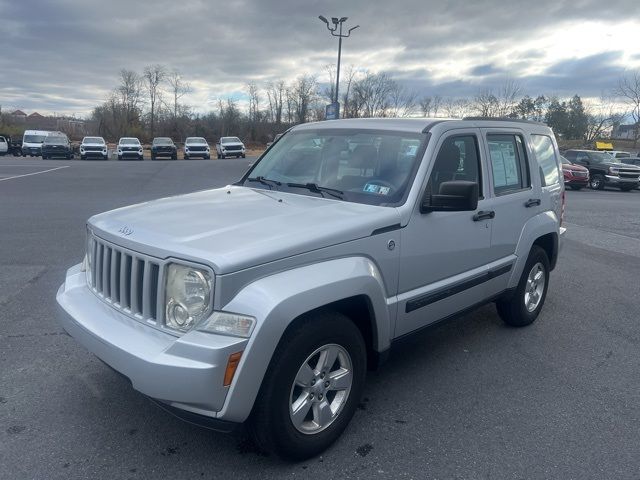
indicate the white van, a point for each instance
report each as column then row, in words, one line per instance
column 32, row 142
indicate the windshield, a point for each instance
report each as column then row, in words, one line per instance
column 55, row 140
column 2, row 140
column 129, row 141
column 564, row 161
column 601, row 157
column 162, row 141
column 366, row 166
column 193, row 140
column 622, row 155
column 34, row 138
column 93, row 140
column 230, row 140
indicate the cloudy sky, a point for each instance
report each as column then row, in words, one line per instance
column 64, row 55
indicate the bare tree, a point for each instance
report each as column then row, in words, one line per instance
column 486, row 104
column 601, row 118
column 403, row 102
column 507, row 96
column 304, row 94
column 254, row 108
column 153, row 76
column 276, row 97
column 456, row 107
column 178, row 88
column 629, row 91
column 130, row 93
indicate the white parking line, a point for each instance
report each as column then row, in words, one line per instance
column 29, row 174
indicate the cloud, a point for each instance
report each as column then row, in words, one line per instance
column 65, row 56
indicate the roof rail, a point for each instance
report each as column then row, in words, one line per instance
column 505, row 119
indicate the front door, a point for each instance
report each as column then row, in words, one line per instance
column 444, row 254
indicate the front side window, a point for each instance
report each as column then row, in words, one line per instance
column 508, row 163
column 546, row 157
column 364, row 166
column 457, row 159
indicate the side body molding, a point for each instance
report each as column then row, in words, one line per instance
column 275, row 301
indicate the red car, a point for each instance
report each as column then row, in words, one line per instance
column 575, row 176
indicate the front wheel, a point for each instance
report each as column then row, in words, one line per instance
column 244, row 155
column 312, row 387
column 207, row 157
column 597, row 182
column 523, row 307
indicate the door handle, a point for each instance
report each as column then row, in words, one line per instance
column 482, row 215
column 532, row 202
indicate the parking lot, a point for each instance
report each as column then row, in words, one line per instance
column 468, row 399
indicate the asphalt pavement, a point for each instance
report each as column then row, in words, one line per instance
column 470, row 399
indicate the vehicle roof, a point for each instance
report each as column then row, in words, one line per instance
column 128, row 138
column 584, row 150
column 162, row 138
column 416, row 125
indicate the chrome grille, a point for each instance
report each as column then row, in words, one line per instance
column 629, row 173
column 128, row 281
column 579, row 174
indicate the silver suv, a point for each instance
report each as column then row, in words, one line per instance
column 265, row 302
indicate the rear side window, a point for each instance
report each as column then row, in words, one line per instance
column 508, row 163
column 546, row 157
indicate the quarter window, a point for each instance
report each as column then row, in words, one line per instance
column 508, row 163
column 546, row 157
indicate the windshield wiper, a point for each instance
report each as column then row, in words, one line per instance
column 265, row 181
column 314, row 187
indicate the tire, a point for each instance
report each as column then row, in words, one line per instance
column 221, row 156
column 44, row 157
column 119, row 158
column 207, row 157
column 82, row 157
column 186, row 157
column 244, row 155
column 271, row 423
column 153, row 157
column 174, row 156
column 597, row 182
column 523, row 307
column 575, row 187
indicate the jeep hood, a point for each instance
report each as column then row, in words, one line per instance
column 234, row 228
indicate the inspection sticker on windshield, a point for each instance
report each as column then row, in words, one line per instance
column 379, row 189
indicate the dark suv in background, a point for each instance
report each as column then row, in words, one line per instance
column 163, row 147
column 605, row 170
column 56, row 146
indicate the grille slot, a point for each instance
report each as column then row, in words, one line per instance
column 127, row 281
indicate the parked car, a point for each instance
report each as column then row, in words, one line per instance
column 605, row 170
column 94, row 147
column 575, row 176
column 619, row 154
column 4, row 146
column 163, row 147
column 32, row 142
column 56, row 145
column 196, row 147
column 230, row 147
column 130, row 148
column 230, row 306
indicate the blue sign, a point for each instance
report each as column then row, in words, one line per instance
column 333, row 111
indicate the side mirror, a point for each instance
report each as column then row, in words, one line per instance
column 454, row 196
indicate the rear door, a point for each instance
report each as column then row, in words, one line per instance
column 514, row 198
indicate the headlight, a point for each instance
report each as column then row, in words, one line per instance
column 613, row 170
column 188, row 296
column 226, row 323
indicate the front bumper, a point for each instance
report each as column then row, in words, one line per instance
column 94, row 153
column 615, row 180
column 184, row 373
column 37, row 151
column 197, row 153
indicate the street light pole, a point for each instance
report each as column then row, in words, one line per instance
column 337, row 26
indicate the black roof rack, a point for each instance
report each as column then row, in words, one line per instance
column 505, row 119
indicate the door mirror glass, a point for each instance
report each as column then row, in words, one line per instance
column 453, row 196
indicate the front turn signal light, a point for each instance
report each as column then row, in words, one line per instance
column 232, row 366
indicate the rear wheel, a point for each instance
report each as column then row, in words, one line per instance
column 312, row 387
column 523, row 307
column 597, row 182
